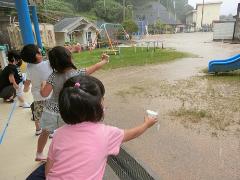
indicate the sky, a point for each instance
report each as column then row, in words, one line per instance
column 228, row 6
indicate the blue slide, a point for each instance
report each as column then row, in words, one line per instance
column 230, row 64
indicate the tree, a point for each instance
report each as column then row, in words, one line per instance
column 159, row 26
column 130, row 26
column 111, row 12
column 57, row 5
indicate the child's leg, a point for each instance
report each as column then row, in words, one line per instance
column 21, row 99
column 20, row 96
column 38, row 128
column 59, row 124
column 42, row 140
column 38, row 110
column 32, row 110
column 20, row 93
column 48, row 122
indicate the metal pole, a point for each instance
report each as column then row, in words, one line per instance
column 24, row 21
column 124, row 10
column 168, row 9
column 202, row 14
column 174, row 6
column 36, row 26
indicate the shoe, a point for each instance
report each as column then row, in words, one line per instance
column 40, row 157
column 24, row 105
column 51, row 135
column 38, row 132
column 8, row 100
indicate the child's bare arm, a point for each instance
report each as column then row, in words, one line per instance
column 48, row 166
column 132, row 133
column 46, row 89
column 12, row 80
column 97, row 66
column 26, row 85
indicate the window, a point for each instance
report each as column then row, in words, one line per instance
column 89, row 36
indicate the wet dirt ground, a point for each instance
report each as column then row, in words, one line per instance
column 198, row 136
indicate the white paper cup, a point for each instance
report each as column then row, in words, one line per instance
column 152, row 114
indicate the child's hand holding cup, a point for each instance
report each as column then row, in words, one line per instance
column 105, row 57
column 151, row 117
column 152, row 114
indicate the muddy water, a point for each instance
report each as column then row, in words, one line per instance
column 179, row 150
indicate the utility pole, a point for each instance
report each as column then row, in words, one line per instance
column 124, row 12
column 104, row 4
column 168, row 9
column 174, row 6
column 130, row 7
column 202, row 14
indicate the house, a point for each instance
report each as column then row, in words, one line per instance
column 191, row 19
column 236, row 34
column 203, row 16
column 207, row 13
column 76, row 29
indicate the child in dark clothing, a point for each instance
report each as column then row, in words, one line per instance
column 11, row 80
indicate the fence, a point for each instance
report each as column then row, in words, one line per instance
column 46, row 32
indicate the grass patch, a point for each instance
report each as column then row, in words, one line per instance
column 131, row 91
column 219, row 123
column 129, row 57
column 233, row 75
column 209, row 100
column 192, row 115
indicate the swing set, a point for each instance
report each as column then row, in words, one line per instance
column 111, row 35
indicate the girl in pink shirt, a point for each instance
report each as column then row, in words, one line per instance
column 79, row 149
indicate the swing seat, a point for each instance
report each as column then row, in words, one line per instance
column 112, row 52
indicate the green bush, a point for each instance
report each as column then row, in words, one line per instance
column 130, row 26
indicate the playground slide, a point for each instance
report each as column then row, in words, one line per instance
column 230, row 64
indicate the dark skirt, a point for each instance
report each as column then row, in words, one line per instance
column 38, row 174
column 8, row 92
